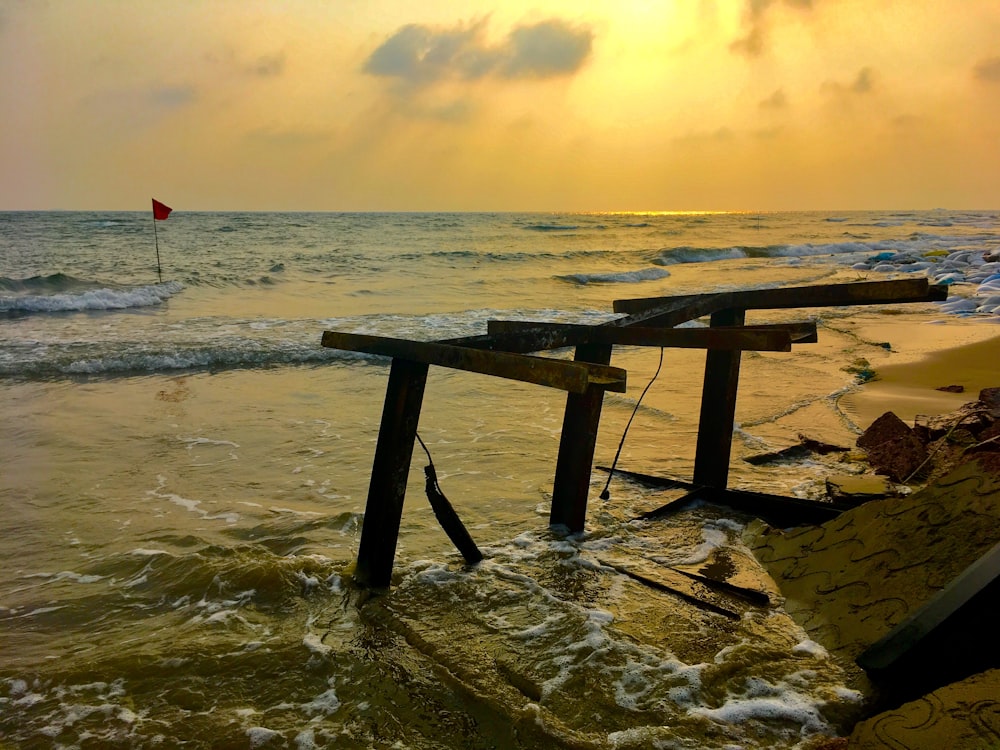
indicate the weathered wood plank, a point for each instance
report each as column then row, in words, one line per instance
column 575, row 377
column 718, row 408
column 577, row 442
column 825, row 295
column 773, row 338
column 390, row 470
column 668, row 312
column 665, row 579
column 775, row 509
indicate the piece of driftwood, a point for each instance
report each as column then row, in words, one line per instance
column 672, row 582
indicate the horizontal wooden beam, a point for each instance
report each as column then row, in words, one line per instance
column 825, row 295
column 669, row 311
column 574, row 377
column 772, row 338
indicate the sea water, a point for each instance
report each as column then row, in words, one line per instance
column 184, row 469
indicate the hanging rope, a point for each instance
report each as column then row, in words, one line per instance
column 446, row 515
column 605, row 493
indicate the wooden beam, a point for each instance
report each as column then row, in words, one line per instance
column 777, row 510
column 770, row 338
column 577, row 442
column 669, row 311
column 718, row 408
column 575, row 377
column 390, row 470
column 824, row 295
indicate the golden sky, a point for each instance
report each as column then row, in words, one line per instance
column 346, row 105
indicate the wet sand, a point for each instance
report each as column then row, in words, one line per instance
column 908, row 381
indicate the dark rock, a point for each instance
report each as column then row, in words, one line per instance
column 882, row 430
column 951, row 388
column 991, row 398
column 973, row 416
column 898, row 458
column 988, row 440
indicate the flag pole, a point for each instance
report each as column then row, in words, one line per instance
column 156, row 239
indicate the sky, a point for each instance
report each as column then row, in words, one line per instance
column 551, row 105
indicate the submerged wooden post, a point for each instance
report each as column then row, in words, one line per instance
column 576, row 446
column 403, row 398
column 718, row 407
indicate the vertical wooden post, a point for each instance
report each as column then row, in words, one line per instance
column 718, row 407
column 576, row 446
column 403, row 398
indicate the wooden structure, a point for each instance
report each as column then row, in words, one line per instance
column 504, row 351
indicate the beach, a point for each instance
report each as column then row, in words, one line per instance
column 185, row 471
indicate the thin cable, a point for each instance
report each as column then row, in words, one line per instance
column 605, row 493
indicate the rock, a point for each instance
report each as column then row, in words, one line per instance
column 951, row 388
column 898, row 459
column 882, row 430
column 973, row 416
column 991, row 398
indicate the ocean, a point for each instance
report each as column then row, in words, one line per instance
column 184, row 469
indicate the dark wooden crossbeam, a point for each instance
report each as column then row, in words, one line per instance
column 826, row 295
column 575, row 377
column 770, row 338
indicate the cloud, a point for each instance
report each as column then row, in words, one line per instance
column 987, row 70
column 550, row 48
column 777, row 100
column 267, row 66
column 756, row 13
column 863, row 83
column 421, row 55
column 136, row 109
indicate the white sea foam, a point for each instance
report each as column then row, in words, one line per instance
column 92, row 299
column 620, row 277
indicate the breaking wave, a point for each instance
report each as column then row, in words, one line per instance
column 60, row 293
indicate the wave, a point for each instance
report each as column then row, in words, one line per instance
column 56, row 282
column 622, row 277
column 100, row 298
column 551, row 227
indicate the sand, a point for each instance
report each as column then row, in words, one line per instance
column 908, row 381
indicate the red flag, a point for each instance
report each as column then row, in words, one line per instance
column 161, row 210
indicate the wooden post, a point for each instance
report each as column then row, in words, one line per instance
column 403, row 398
column 718, row 408
column 576, row 446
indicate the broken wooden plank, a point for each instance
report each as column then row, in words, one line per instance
column 575, row 377
column 824, row 295
column 779, row 510
column 664, row 579
column 751, row 338
column 390, row 470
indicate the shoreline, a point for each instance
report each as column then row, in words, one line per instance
column 909, row 387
